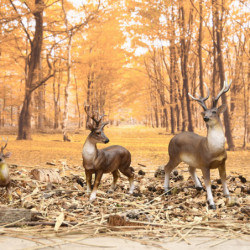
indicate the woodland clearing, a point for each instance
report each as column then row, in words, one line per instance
column 148, row 216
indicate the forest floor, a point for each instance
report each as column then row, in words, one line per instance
column 149, row 218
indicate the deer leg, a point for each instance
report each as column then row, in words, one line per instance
column 88, row 180
column 223, row 176
column 168, row 169
column 115, row 178
column 210, row 200
column 129, row 172
column 98, row 177
column 196, row 180
column 9, row 192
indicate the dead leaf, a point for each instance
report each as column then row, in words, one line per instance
column 59, row 221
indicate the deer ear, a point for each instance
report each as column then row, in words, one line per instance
column 222, row 108
column 7, row 155
column 90, row 126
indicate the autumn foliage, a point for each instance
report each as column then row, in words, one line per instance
column 134, row 60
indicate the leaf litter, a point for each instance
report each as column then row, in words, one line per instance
column 64, row 208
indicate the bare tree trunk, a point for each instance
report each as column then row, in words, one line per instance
column 246, row 88
column 219, row 31
column 77, row 104
column 56, row 98
column 184, row 63
column 200, row 49
column 41, row 100
column 24, row 124
column 66, row 90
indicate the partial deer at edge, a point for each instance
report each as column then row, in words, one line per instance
column 201, row 152
column 4, row 170
column 108, row 160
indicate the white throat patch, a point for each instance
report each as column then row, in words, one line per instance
column 89, row 151
column 216, row 140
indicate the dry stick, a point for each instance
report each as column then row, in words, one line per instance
column 27, row 238
column 55, row 244
column 142, row 165
column 90, row 245
column 222, row 241
column 158, row 196
column 179, row 233
column 13, row 223
column 190, row 230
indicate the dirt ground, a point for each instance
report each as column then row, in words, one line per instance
column 149, row 151
column 96, row 243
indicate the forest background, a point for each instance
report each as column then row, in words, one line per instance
column 135, row 61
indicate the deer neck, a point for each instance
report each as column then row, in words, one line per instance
column 216, row 138
column 89, row 151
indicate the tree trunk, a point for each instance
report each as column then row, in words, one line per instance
column 56, row 98
column 246, row 114
column 66, row 90
column 219, row 31
column 41, row 100
column 24, row 123
column 184, row 65
column 77, row 104
column 200, row 50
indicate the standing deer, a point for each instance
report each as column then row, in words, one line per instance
column 201, row 152
column 4, row 171
column 108, row 160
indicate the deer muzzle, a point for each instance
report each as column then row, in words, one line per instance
column 106, row 141
column 206, row 119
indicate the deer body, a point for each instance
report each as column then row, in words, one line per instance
column 4, row 171
column 197, row 151
column 4, row 175
column 200, row 152
column 108, row 160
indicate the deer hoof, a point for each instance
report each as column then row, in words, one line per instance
column 213, row 207
column 92, row 197
column 168, row 192
column 199, row 188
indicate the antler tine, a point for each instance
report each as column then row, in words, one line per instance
column 100, row 117
column 92, row 117
column 201, row 100
column 225, row 88
column 6, row 143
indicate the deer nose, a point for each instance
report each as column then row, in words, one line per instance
column 106, row 141
column 206, row 119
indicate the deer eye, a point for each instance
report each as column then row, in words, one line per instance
column 214, row 112
column 98, row 133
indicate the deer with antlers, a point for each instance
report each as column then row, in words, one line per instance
column 4, row 170
column 108, row 160
column 201, row 152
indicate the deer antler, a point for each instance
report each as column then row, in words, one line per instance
column 93, row 117
column 223, row 91
column 6, row 143
column 201, row 100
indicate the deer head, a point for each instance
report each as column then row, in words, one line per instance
column 2, row 155
column 211, row 116
column 96, row 128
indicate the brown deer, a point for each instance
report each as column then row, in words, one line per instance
column 4, row 170
column 201, row 152
column 108, row 160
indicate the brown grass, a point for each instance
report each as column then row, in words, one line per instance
column 148, row 147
